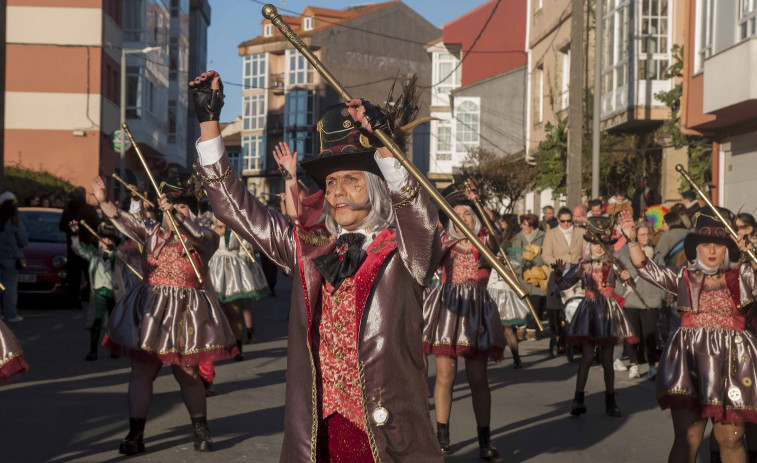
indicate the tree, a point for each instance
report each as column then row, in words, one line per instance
column 503, row 179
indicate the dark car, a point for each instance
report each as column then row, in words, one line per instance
column 45, row 255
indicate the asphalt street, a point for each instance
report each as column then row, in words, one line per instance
column 69, row 410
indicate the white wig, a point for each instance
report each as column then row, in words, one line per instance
column 381, row 213
column 454, row 234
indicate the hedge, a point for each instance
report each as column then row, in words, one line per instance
column 24, row 182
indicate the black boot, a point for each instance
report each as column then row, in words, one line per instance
column 442, row 435
column 92, row 351
column 250, row 334
column 578, row 408
column 486, row 448
column 210, row 389
column 203, row 442
column 611, row 408
column 516, row 360
column 715, row 457
column 135, row 440
column 240, row 356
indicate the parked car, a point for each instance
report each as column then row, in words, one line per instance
column 45, row 255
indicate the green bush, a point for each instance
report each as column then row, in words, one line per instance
column 25, row 182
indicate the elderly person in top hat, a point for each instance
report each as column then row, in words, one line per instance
column 356, row 386
column 707, row 368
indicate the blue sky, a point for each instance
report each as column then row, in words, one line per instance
column 234, row 21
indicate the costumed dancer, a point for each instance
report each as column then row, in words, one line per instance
column 12, row 362
column 355, row 379
column 101, row 268
column 707, row 368
column 599, row 319
column 259, row 287
column 169, row 319
column 460, row 319
column 513, row 311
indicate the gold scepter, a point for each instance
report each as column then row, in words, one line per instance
column 133, row 190
column 271, row 14
column 174, row 225
column 2, row 287
column 241, row 243
column 617, row 264
column 99, row 238
column 715, row 210
column 502, row 252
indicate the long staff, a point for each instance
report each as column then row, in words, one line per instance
column 133, row 190
column 271, row 14
column 94, row 233
column 617, row 265
column 241, row 243
column 715, row 210
column 125, row 126
column 502, row 252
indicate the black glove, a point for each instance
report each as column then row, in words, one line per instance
column 376, row 117
column 208, row 102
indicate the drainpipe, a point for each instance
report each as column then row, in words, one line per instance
column 715, row 191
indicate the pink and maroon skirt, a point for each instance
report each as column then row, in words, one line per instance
column 462, row 321
column 12, row 363
column 712, row 371
column 170, row 324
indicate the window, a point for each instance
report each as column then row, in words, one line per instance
column 615, row 45
column 254, row 112
column 298, row 69
column 539, row 94
column 653, row 59
column 564, row 89
column 253, row 152
column 268, row 30
column 254, row 71
column 444, row 141
column 172, row 121
column 133, row 92
column 308, row 23
column 445, row 77
column 298, row 121
column 113, row 9
column 747, row 17
column 236, row 162
column 175, row 8
column 133, row 20
column 467, row 126
column 173, row 57
column 112, row 84
column 705, row 32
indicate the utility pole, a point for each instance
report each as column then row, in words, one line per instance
column 595, row 131
column 575, row 113
column 3, row 31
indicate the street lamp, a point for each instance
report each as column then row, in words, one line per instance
column 124, row 52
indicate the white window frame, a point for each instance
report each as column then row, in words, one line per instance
column 705, row 32
column 747, row 19
column 253, row 152
column 616, row 52
column 444, row 154
column 251, row 70
column 267, row 30
column 658, row 59
column 467, row 129
column 565, row 89
column 307, row 23
column 302, row 74
column 254, row 111
column 451, row 80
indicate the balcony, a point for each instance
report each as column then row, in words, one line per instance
column 276, row 83
column 730, row 77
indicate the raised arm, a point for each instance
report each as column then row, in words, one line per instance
column 125, row 222
column 288, row 167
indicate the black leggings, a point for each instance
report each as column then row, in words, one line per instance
column 644, row 323
column 540, row 304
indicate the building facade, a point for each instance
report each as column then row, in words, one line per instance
column 478, row 87
column 199, row 21
column 366, row 47
column 720, row 96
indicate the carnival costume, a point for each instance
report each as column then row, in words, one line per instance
column 12, row 363
column 460, row 318
column 355, row 379
column 709, row 364
column 513, row 311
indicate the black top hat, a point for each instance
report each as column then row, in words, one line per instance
column 107, row 230
column 186, row 192
column 344, row 146
column 602, row 227
column 709, row 229
column 455, row 196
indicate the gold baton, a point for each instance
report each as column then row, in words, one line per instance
column 133, row 190
column 94, row 233
column 271, row 14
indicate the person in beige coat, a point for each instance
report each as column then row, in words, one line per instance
column 564, row 243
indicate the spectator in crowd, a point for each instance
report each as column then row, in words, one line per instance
column 13, row 238
column 580, row 215
column 565, row 243
column 642, row 313
column 689, row 199
column 643, row 197
column 671, row 239
column 77, row 210
column 618, row 202
column 596, row 208
column 45, row 201
column 746, row 227
column 32, row 201
column 549, row 221
column 58, row 201
column 531, row 240
column 684, row 213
